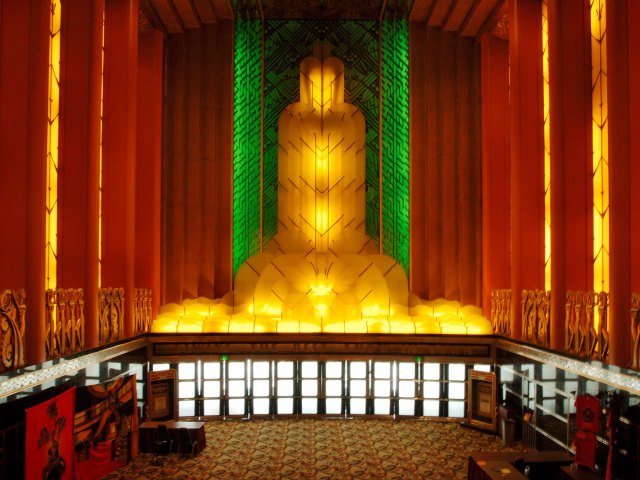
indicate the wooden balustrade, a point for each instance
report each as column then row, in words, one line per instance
column 536, row 317
column 586, row 335
column 64, row 330
column 12, row 324
column 111, row 314
column 142, row 310
column 501, row 312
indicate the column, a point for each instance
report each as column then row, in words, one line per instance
column 571, row 156
column 149, row 163
column 527, row 154
column 495, row 167
column 37, row 120
column 78, row 214
column 618, row 91
column 633, row 12
column 119, row 151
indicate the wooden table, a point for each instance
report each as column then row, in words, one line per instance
column 569, row 473
column 148, row 432
column 500, row 465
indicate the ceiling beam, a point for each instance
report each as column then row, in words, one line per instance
column 176, row 13
column 472, row 11
column 447, row 16
column 427, row 18
column 196, row 13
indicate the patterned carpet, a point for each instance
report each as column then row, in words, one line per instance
column 323, row 449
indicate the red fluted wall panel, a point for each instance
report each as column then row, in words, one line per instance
column 24, row 67
column 527, row 153
column 78, row 193
column 495, row 167
column 14, row 95
column 634, row 149
column 445, row 149
column 148, row 163
column 571, row 156
column 197, row 168
column 618, row 89
column 119, row 151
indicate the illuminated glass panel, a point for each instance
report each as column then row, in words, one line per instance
column 357, row 387
column 51, row 198
column 600, row 146
column 284, row 386
column 456, row 409
column 547, row 148
column 406, row 388
column 186, row 389
column 261, row 387
column 382, row 387
column 309, row 383
column 334, row 387
column 236, row 387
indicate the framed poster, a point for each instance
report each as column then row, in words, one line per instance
column 163, row 395
column 482, row 400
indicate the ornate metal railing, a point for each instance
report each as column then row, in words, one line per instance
column 64, row 332
column 635, row 330
column 586, row 335
column 12, row 315
column 536, row 316
column 111, row 316
column 142, row 310
column 501, row 312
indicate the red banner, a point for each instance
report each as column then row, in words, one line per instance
column 49, row 448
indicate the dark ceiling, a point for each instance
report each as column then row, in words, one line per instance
column 469, row 18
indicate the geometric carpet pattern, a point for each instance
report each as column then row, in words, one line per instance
column 324, row 449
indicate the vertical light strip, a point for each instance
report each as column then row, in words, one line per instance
column 547, row 148
column 100, row 155
column 600, row 146
column 52, row 146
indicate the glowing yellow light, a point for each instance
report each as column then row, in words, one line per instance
column 600, row 134
column 51, row 197
column 322, row 309
column 547, row 148
column 321, row 290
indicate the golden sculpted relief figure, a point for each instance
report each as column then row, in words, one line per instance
column 12, row 324
column 321, row 272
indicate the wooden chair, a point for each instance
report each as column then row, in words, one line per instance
column 162, row 445
column 187, row 443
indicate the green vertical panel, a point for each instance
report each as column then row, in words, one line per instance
column 246, row 140
column 287, row 43
column 395, row 140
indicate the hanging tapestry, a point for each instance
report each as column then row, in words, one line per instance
column 105, row 427
column 49, row 438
